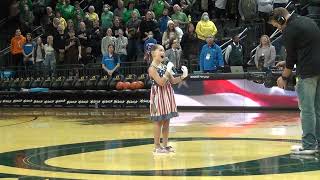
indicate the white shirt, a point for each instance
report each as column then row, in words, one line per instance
column 221, row 4
column 281, row 1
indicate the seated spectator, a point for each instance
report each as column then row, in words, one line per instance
column 16, row 49
column 68, row 11
column 28, row 51
column 211, row 56
column 205, row 28
column 72, row 49
column 265, row 54
column 110, row 61
column 174, row 54
column 121, row 46
column 234, row 52
column 106, row 17
column 106, row 41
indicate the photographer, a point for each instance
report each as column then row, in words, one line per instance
column 301, row 38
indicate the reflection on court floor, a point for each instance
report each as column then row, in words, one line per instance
column 118, row 144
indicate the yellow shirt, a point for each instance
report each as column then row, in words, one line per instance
column 205, row 28
column 93, row 16
column 63, row 22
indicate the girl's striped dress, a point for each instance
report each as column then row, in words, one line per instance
column 162, row 102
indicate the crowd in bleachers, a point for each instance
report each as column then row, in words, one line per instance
column 116, row 32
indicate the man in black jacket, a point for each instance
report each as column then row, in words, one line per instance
column 301, row 38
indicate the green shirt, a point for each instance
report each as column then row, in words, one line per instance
column 181, row 16
column 106, row 19
column 158, row 8
column 127, row 15
column 68, row 12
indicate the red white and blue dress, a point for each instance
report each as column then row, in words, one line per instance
column 162, row 102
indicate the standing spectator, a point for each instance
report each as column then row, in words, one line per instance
column 38, row 10
column 110, row 61
column 174, row 54
column 117, row 25
column 60, row 5
column 26, row 19
column 188, row 42
column 28, row 51
column 265, row 54
column 72, row 49
column 39, row 54
column 163, row 21
column 50, row 60
column 70, row 26
column 91, row 15
column 180, row 16
column 265, row 8
column 148, row 24
column 211, row 56
column 119, row 10
column 220, row 8
column 106, row 41
column 59, row 44
column 62, row 21
column 133, row 36
column 47, row 21
column 205, row 28
column 78, row 10
column 83, row 36
column 106, row 17
column 178, row 29
column 67, row 10
column 234, row 52
column 121, row 46
column 143, row 6
column 126, row 16
column 169, row 35
column 95, row 38
column 16, row 49
column 158, row 6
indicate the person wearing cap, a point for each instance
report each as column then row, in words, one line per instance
column 169, row 35
column 301, row 38
column 211, row 56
